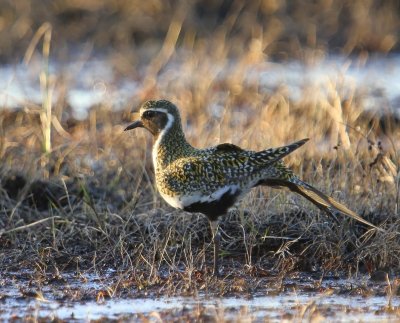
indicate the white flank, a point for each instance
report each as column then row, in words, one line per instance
column 169, row 124
column 180, row 202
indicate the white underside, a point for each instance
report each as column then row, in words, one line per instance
column 182, row 201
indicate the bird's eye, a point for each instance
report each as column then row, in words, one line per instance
column 149, row 114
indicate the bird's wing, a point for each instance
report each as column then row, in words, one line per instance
column 228, row 148
column 222, row 165
column 272, row 155
column 231, row 157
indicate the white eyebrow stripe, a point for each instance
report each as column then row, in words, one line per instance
column 155, row 109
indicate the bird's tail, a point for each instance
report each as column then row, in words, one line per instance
column 322, row 201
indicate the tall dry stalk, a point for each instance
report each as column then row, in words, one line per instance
column 45, row 87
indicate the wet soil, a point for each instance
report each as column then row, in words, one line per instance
column 253, row 296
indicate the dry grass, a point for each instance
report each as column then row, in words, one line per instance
column 282, row 28
column 105, row 210
column 93, row 204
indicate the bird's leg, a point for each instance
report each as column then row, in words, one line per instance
column 216, row 238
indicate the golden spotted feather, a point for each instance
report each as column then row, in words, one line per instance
column 208, row 170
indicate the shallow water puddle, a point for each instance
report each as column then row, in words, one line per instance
column 287, row 306
column 18, row 300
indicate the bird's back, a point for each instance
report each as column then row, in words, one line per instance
column 208, row 174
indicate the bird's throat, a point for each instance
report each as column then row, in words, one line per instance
column 169, row 146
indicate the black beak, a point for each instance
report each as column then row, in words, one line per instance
column 136, row 124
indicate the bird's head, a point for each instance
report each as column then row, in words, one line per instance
column 156, row 116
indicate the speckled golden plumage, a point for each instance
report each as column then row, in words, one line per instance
column 211, row 169
column 211, row 180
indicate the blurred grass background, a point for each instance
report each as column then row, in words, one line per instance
column 81, row 191
column 282, row 29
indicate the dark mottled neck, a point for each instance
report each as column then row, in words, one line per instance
column 170, row 145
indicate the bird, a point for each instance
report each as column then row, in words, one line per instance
column 211, row 180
